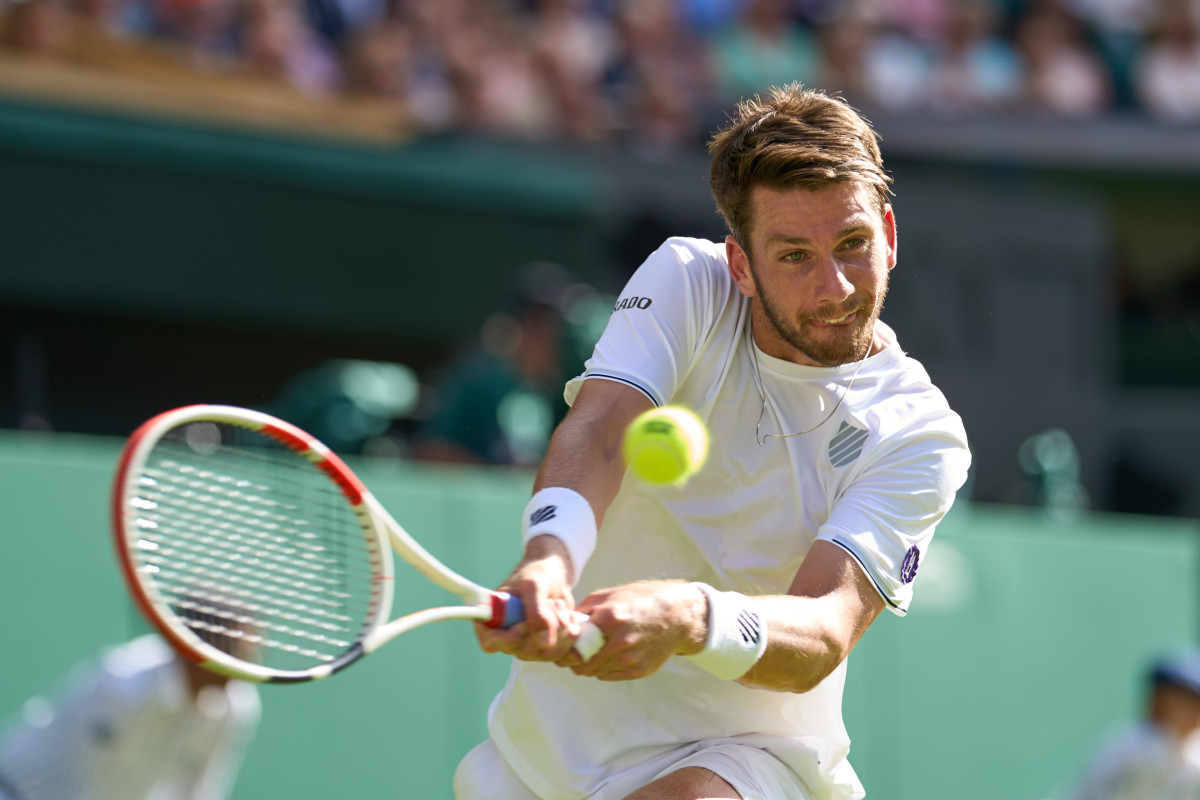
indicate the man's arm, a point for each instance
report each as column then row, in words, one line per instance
column 811, row 630
column 584, row 455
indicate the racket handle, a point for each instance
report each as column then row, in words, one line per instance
column 590, row 640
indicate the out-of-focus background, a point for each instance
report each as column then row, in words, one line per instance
column 401, row 224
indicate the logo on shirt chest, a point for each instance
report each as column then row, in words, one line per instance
column 846, row 445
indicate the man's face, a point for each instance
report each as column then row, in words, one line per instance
column 818, row 265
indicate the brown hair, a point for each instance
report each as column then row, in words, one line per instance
column 796, row 138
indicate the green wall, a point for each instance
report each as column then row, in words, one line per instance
column 1023, row 647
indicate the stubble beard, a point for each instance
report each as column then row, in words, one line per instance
column 830, row 351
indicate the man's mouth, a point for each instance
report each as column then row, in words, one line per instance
column 842, row 320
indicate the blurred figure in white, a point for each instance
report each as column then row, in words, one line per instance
column 1158, row 758
column 141, row 724
column 1168, row 70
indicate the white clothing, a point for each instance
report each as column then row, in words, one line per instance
column 1141, row 763
column 128, row 729
column 874, row 479
column 754, row 773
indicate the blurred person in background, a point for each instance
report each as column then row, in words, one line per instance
column 1167, row 72
column 276, row 42
column 1159, row 757
column 658, row 82
column 35, row 28
column 202, row 32
column 141, row 723
column 896, row 70
column 975, row 69
column 572, row 45
column 845, row 40
column 500, row 88
column 1065, row 74
column 499, row 403
column 764, row 47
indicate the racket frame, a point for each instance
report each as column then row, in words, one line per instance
column 380, row 530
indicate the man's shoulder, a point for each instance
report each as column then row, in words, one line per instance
column 907, row 405
column 688, row 261
column 689, row 250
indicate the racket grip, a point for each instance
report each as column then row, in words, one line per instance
column 514, row 610
column 590, row 640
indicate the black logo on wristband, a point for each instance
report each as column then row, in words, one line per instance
column 542, row 514
column 750, row 627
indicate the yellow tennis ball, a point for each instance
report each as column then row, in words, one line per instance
column 666, row 445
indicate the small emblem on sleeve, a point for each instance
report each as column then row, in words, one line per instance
column 542, row 514
column 908, row 569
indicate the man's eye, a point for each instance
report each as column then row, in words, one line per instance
column 795, row 258
column 854, row 244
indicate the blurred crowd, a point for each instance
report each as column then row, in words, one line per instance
column 655, row 75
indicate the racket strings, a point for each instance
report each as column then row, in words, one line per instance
column 254, row 547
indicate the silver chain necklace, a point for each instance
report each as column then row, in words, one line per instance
column 761, row 438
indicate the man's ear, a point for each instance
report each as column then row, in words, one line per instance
column 739, row 267
column 889, row 230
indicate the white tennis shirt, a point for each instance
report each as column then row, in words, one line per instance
column 128, row 729
column 874, row 479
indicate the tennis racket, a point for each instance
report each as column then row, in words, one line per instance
column 259, row 554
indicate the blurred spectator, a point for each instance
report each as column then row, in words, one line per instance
column 36, row 28
column 1064, row 73
column 1168, row 70
column 709, row 16
column 975, row 69
column 1157, row 757
column 142, row 724
column 845, row 40
column 277, row 43
column 349, row 404
column 658, row 81
column 764, row 48
column 1120, row 27
column 926, row 21
column 499, row 403
column 572, row 47
column 500, row 87
column 202, row 30
column 1050, row 463
column 896, row 70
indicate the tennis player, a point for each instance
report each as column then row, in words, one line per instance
column 730, row 604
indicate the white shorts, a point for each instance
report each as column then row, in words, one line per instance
column 756, row 774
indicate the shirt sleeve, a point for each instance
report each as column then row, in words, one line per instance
column 659, row 320
column 886, row 518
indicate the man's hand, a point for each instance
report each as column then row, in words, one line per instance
column 543, row 582
column 644, row 624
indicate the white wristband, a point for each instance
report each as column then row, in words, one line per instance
column 567, row 515
column 737, row 634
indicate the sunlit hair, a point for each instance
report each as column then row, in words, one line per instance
column 794, row 138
